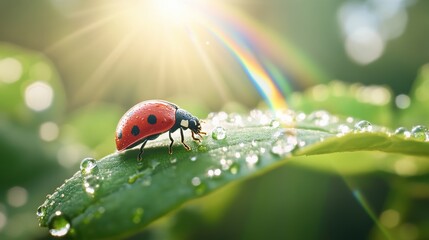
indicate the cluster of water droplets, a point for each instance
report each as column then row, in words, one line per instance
column 235, row 158
column 417, row 133
column 58, row 223
column 287, row 138
column 91, row 179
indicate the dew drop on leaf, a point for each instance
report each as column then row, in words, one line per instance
column 225, row 164
column 363, row 126
column 274, row 124
column 91, row 183
column 214, row 172
column 420, row 133
column 252, row 159
column 219, row 133
column 196, row 181
column 234, row 168
column 137, row 215
column 88, row 165
column 402, row 132
column 284, row 144
column 202, row 148
column 320, row 118
column 59, row 225
column 343, row 129
column 41, row 211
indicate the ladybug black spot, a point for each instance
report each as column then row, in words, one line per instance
column 151, row 119
column 135, row 130
column 119, row 135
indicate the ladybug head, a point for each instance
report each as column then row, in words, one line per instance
column 185, row 120
column 194, row 125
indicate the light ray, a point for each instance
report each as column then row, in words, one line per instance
column 95, row 81
column 81, row 31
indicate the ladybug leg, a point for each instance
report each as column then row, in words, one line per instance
column 183, row 140
column 141, row 150
column 196, row 139
column 170, row 149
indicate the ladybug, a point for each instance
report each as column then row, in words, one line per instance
column 149, row 119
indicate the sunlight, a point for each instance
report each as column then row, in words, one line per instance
column 171, row 10
column 161, row 12
column 186, row 46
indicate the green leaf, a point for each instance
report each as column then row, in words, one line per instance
column 117, row 196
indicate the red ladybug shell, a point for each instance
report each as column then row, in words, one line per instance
column 144, row 120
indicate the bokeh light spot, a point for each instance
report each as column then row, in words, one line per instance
column 48, row 131
column 405, row 167
column 10, row 70
column 390, row 218
column 17, row 196
column 3, row 220
column 39, row 96
column 364, row 45
column 402, row 101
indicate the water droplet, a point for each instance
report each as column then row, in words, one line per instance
column 214, row 172
column 87, row 165
column 202, row 148
column 196, row 181
column 286, row 117
column 173, row 160
column 320, row 118
column 252, row 159
column 237, row 155
column 402, row 132
column 133, row 178
column 363, row 126
column 301, row 117
column 284, row 144
column 235, row 118
column 225, row 164
column 302, row 144
column 420, row 133
column 254, row 143
column 234, row 168
column 343, row 129
column 91, row 184
column 219, row 133
column 193, row 158
column 59, row 225
column 137, row 215
column 41, row 211
column 274, row 124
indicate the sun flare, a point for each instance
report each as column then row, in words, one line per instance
column 189, row 47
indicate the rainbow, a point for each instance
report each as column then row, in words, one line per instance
column 263, row 56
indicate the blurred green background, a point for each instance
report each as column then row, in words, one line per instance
column 69, row 69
